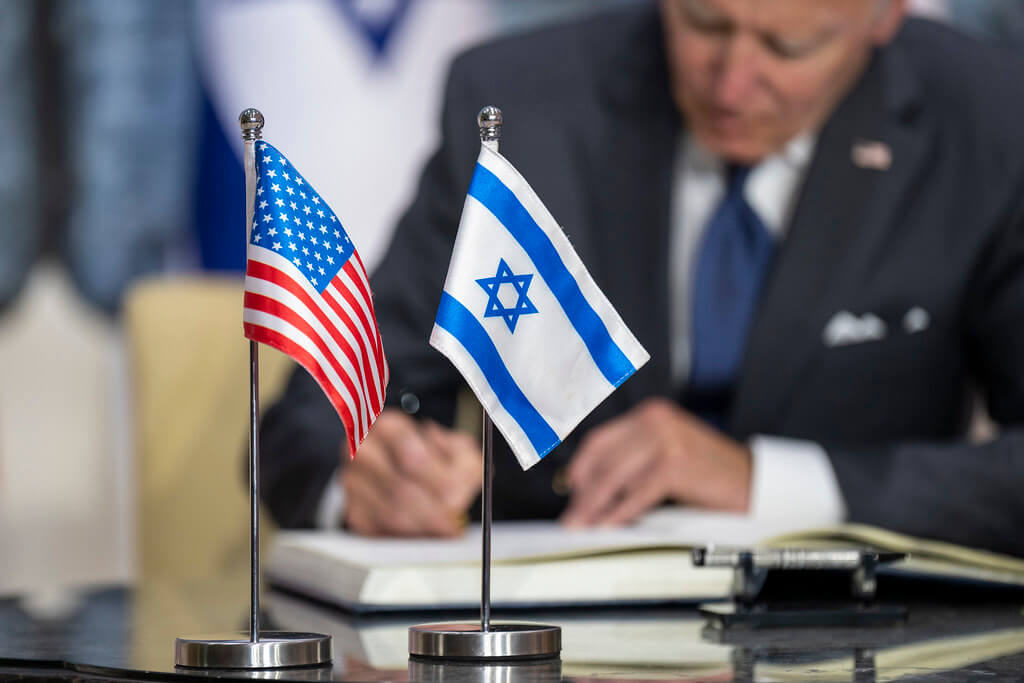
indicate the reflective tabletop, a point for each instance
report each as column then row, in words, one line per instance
column 128, row 633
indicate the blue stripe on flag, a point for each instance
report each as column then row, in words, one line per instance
column 506, row 207
column 461, row 324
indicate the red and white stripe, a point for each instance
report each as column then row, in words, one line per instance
column 333, row 335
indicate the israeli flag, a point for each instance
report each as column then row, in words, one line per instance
column 334, row 79
column 521, row 318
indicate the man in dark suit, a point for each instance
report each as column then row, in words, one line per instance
column 810, row 212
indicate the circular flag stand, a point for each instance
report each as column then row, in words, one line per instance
column 258, row 649
column 501, row 641
column 513, row 650
column 273, row 650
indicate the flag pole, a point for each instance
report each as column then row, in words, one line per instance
column 266, row 649
column 487, row 645
column 489, row 123
column 251, row 123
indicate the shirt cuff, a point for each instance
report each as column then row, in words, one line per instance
column 331, row 506
column 793, row 479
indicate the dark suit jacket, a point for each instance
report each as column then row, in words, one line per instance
column 589, row 122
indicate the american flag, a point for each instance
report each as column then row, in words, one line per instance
column 307, row 294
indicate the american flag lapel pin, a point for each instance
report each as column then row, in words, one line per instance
column 871, row 154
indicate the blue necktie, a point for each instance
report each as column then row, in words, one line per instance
column 735, row 254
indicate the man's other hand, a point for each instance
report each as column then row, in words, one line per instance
column 655, row 452
column 411, row 479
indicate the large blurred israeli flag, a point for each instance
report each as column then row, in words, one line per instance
column 521, row 318
column 352, row 89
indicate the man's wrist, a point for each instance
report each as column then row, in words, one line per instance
column 744, row 481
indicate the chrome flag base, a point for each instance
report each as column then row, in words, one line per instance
column 465, row 641
column 274, row 650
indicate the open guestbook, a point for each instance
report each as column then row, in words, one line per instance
column 544, row 564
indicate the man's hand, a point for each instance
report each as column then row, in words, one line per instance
column 411, row 479
column 653, row 453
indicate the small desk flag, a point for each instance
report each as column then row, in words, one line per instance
column 307, row 294
column 521, row 318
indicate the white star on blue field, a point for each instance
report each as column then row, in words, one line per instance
column 492, row 285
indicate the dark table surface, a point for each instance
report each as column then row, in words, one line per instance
column 128, row 633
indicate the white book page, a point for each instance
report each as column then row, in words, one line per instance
column 520, row 541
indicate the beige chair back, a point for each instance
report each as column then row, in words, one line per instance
column 190, row 366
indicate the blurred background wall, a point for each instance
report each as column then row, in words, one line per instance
column 119, row 162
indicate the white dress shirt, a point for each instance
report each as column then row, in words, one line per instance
column 791, row 479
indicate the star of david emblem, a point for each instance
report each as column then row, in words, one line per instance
column 495, row 307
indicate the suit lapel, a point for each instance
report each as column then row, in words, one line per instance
column 629, row 162
column 844, row 210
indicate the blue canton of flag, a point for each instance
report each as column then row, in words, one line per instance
column 295, row 222
column 523, row 321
